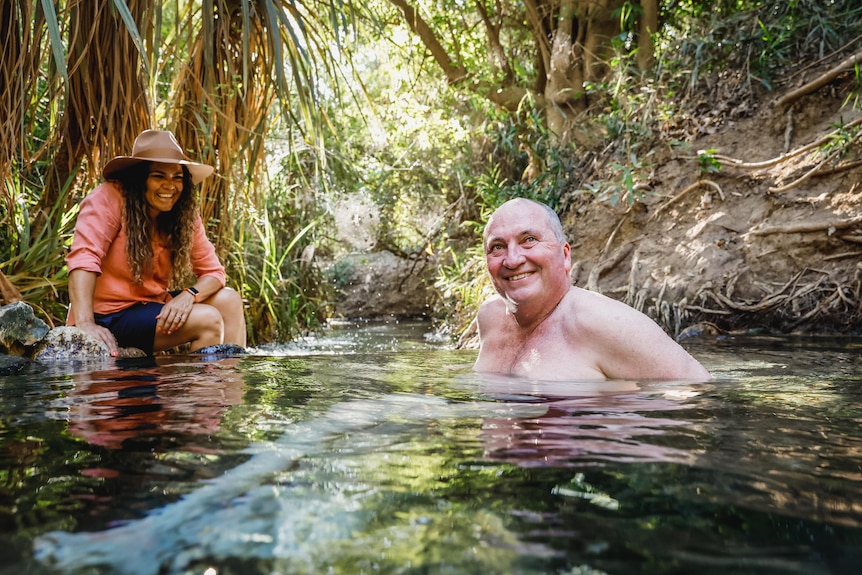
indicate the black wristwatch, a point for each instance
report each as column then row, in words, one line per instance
column 194, row 293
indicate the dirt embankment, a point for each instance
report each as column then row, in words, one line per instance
column 771, row 241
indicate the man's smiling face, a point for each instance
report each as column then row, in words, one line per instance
column 525, row 258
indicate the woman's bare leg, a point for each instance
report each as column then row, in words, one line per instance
column 204, row 327
column 229, row 304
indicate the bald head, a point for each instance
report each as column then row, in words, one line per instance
column 524, row 205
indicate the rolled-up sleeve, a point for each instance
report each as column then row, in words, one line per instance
column 205, row 262
column 99, row 221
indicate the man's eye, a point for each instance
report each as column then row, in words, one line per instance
column 530, row 239
column 495, row 248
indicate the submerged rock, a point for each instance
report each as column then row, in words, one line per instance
column 697, row 330
column 222, row 349
column 12, row 364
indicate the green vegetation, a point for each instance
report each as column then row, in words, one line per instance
column 429, row 119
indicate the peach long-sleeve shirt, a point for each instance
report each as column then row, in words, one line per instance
column 99, row 245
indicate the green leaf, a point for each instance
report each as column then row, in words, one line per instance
column 132, row 28
column 56, row 39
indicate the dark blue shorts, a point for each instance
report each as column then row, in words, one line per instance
column 134, row 326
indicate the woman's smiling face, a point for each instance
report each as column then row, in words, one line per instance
column 164, row 187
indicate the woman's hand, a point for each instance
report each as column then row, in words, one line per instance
column 82, row 284
column 100, row 333
column 175, row 313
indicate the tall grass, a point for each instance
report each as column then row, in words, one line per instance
column 33, row 256
column 285, row 294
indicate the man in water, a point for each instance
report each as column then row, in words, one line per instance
column 542, row 327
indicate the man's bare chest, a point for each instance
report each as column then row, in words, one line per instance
column 545, row 354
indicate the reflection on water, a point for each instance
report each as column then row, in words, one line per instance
column 393, row 456
column 115, row 407
column 579, row 431
column 363, row 336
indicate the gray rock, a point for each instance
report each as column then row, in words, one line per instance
column 20, row 328
column 64, row 344
column 68, row 343
column 222, row 349
column 130, row 353
column 698, row 330
column 381, row 284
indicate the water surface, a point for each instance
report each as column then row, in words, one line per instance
column 376, row 449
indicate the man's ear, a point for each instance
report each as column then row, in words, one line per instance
column 567, row 257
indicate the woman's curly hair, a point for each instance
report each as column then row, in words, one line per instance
column 175, row 227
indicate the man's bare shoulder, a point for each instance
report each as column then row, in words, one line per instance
column 627, row 342
column 589, row 303
column 492, row 301
column 594, row 313
column 492, row 306
column 491, row 314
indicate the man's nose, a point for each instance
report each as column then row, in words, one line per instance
column 514, row 257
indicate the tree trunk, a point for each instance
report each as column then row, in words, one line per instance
column 217, row 118
column 573, row 42
column 454, row 73
column 564, row 88
column 647, row 26
column 107, row 103
column 580, row 49
column 16, row 65
column 600, row 25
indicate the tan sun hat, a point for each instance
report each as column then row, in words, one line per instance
column 157, row 146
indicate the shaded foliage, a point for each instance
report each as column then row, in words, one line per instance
column 434, row 113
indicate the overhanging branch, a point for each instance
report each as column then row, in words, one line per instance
column 454, row 74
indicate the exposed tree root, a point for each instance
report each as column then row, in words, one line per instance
column 633, row 280
column 842, row 256
column 805, row 176
column 820, row 81
column 829, row 56
column 805, row 227
column 823, row 305
column 789, row 307
column 788, row 130
column 793, row 305
column 767, row 302
column 816, row 169
column 607, row 265
column 680, row 195
column 613, row 236
column 708, row 311
column 839, row 168
column 733, row 162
